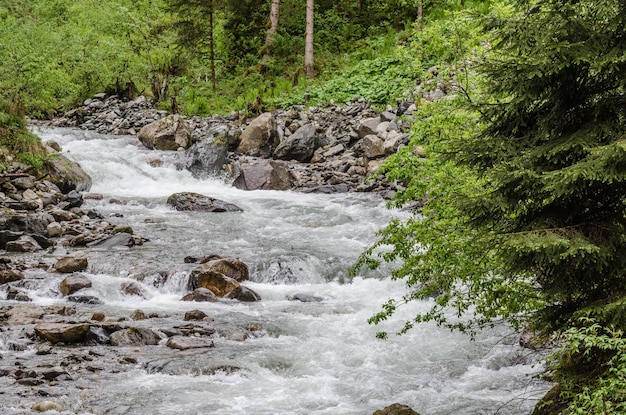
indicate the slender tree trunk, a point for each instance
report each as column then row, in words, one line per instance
column 271, row 32
column 308, row 39
column 420, row 15
column 212, row 45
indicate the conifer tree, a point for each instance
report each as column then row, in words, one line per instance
column 526, row 219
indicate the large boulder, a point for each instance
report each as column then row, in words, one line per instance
column 218, row 283
column 169, row 133
column 73, row 283
column 230, row 267
column 371, row 146
column 206, row 158
column 186, row 343
column 368, row 126
column 299, row 146
column 24, row 314
column 23, row 244
column 62, row 333
column 16, row 224
column 71, row 263
column 189, row 201
column 66, row 174
column 10, row 275
column 264, row 175
column 260, row 137
column 135, row 336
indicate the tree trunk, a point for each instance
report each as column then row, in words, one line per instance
column 420, row 15
column 271, row 32
column 308, row 39
column 212, row 45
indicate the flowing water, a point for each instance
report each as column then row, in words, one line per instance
column 309, row 357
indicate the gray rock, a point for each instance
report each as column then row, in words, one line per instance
column 66, row 174
column 206, row 158
column 135, row 336
column 25, row 314
column 368, row 126
column 188, row 201
column 116, row 241
column 260, row 137
column 97, row 335
column 85, row 299
column 371, row 146
column 195, row 315
column 186, row 343
column 23, row 244
column 299, row 146
column 8, row 236
column 170, row 133
column 264, row 175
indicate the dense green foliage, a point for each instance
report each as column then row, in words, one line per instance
column 17, row 143
column 525, row 213
column 56, row 53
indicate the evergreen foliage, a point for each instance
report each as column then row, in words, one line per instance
column 525, row 212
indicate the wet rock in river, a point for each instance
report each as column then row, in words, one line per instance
column 169, row 133
column 132, row 288
column 206, row 158
column 135, row 336
column 23, row 244
column 138, row 315
column 186, row 343
column 66, row 174
column 201, row 295
column 195, row 315
column 71, row 263
column 396, row 409
column 85, row 299
column 244, row 294
column 263, row 175
column 74, row 283
column 230, row 267
column 24, row 314
column 220, row 284
column 188, row 201
column 10, row 275
column 62, row 333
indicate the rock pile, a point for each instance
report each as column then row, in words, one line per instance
column 332, row 148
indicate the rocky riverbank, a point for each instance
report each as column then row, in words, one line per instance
column 333, row 148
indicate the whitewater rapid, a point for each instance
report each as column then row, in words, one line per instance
column 309, row 358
